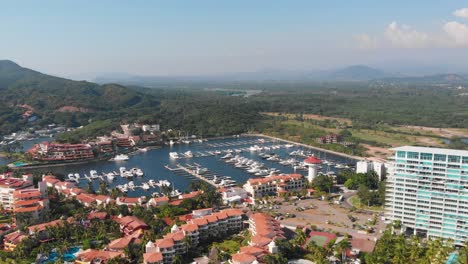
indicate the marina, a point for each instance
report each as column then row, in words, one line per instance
column 220, row 162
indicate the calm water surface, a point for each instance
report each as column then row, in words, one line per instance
column 153, row 161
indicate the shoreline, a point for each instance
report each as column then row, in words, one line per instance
column 357, row 158
column 40, row 166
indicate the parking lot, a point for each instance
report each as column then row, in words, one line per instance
column 326, row 215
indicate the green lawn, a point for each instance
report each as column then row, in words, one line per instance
column 356, row 202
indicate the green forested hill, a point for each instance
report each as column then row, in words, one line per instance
column 63, row 101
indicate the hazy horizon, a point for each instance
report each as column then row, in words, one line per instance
column 87, row 39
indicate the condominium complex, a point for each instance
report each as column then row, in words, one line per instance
column 61, row 152
column 427, row 190
column 274, row 185
column 206, row 225
column 7, row 187
column 31, row 203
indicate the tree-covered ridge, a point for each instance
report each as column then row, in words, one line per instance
column 63, row 101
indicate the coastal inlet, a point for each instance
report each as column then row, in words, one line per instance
column 224, row 162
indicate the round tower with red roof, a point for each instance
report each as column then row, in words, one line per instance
column 312, row 162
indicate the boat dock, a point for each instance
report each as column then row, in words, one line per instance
column 194, row 174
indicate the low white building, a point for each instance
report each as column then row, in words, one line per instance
column 365, row 166
column 233, row 194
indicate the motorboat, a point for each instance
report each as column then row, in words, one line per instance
column 145, row 186
column 143, row 149
column 71, row 176
column 227, row 156
column 188, row 154
column 175, row 193
column 136, row 172
column 152, row 183
column 288, row 145
column 173, row 155
column 171, row 142
column 120, row 157
column 131, row 185
column 201, row 170
column 124, row 173
column 110, row 176
column 163, row 183
column 93, row 174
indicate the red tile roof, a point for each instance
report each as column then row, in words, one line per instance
column 252, row 250
column 97, row 215
column 275, row 178
column 312, row 160
column 243, row 258
column 42, row 227
column 153, row 257
column 189, row 227
column 120, row 243
column 177, row 236
column 92, row 254
column 164, row 243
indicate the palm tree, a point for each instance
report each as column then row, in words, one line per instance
column 342, row 247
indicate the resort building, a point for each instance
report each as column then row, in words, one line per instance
column 180, row 239
column 130, row 225
column 428, row 192
column 274, row 185
column 32, row 204
column 7, row 187
column 12, row 240
column 93, row 256
column 265, row 230
column 233, row 195
column 47, row 151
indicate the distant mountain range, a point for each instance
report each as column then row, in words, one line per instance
column 354, row 73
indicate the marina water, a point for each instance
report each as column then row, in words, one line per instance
column 153, row 163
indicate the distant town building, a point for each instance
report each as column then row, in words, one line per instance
column 428, row 192
column 328, row 139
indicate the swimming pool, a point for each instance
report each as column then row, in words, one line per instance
column 69, row 255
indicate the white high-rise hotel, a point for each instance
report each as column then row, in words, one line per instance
column 427, row 190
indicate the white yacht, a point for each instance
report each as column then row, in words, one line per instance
column 188, row 154
column 120, row 157
column 125, row 173
column 201, row 170
column 145, row 186
column 173, row 155
column 171, row 142
column 136, row 172
column 110, row 176
column 175, row 193
column 152, row 183
column 227, row 156
column 93, row 174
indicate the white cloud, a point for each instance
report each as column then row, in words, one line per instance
column 463, row 12
column 457, row 32
column 403, row 36
column 364, row 41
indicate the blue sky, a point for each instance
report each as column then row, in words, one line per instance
column 87, row 38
